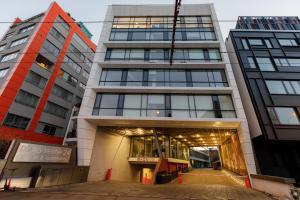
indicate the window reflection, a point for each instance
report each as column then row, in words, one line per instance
column 156, row 106
column 284, row 115
column 160, row 28
column 160, row 105
column 163, row 77
column 145, row 146
column 179, row 55
column 134, row 78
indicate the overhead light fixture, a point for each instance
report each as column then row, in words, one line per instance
column 217, row 123
column 128, row 132
column 157, row 113
column 196, row 136
column 140, row 131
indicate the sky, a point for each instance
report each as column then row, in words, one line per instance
column 94, row 10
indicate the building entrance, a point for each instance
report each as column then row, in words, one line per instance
column 163, row 153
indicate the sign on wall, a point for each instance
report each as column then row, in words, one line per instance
column 28, row 152
column 143, row 160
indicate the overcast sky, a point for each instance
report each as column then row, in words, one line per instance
column 91, row 10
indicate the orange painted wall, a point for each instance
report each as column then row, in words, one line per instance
column 24, row 64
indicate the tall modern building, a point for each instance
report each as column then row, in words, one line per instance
column 140, row 115
column 45, row 62
column 264, row 52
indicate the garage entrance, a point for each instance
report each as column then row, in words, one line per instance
column 159, row 155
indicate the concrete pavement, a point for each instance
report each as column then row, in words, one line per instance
column 208, row 188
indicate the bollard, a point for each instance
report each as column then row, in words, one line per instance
column 145, row 180
column 108, row 174
column 247, row 182
column 180, row 178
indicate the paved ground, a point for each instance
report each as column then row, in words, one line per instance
column 208, row 176
column 216, row 187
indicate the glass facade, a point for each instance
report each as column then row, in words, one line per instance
column 268, row 23
column 27, row 98
column 16, row 121
column 164, row 105
column 160, row 28
column 51, row 48
column 284, row 115
column 145, row 146
column 56, row 110
column 163, row 78
column 283, row 87
column 36, row 79
column 196, row 55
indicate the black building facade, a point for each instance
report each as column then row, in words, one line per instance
column 266, row 63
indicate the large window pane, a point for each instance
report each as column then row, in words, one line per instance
column 225, row 102
column 203, row 102
column 26, row 98
column 157, row 22
column 137, row 54
column 134, row 78
column 180, row 106
column 117, row 54
column 251, row 63
column 293, row 62
column 283, row 115
column 203, row 106
column 200, row 79
column 156, row 78
column 178, row 54
column 150, row 147
column 120, row 36
column 214, row 54
column 113, row 78
column 219, row 76
column 177, row 78
column 288, row 42
column 132, row 105
column 275, row 87
column 138, row 147
column 256, row 42
column 209, row 36
column 244, row 43
column 178, row 35
column 157, row 36
column 139, row 35
column 288, row 87
column 173, row 148
column 265, row 64
column 196, row 54
column 156, row 106
column 296, row 86
column 226, row 105
column 193, row 35
column 109, row 104
column 156, row 54
column 281, row 62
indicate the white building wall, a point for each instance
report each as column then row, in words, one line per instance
column 87, row 131
column 114, row 157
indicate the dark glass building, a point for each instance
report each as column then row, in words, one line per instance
column 265, row 55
